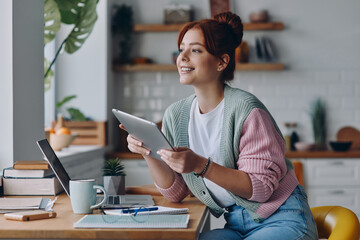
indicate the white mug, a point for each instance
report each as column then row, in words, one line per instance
column 83, row 195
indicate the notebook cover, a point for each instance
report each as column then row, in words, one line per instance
column 150, row 221
column 26, row 173
column 40, row 164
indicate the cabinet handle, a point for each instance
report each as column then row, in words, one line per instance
column 337, row 192
column 337, row 163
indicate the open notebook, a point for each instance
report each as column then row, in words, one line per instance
column 160, row 211
column 126, row 221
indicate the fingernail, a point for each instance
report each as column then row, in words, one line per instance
column 140, row 144
column 148, row 153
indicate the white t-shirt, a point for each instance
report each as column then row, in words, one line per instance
column 204, row 139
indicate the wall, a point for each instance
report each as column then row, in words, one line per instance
column 6, row 156
column 319, row 45
column 22, row 82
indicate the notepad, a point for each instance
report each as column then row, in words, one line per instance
column 160, row 211
column 126, row 221
column 17, row 204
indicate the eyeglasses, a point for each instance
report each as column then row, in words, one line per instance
column 136, row 213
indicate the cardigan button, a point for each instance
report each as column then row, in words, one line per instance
column 204, row 193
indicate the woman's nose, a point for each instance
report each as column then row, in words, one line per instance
column 183, row 56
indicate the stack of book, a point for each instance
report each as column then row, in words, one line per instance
column 30, row 178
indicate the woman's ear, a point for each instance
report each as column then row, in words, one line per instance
column 225, row 58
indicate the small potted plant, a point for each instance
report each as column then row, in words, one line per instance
column 114, row 177
column 318, row 120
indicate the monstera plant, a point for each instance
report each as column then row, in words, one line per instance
column 81, row 14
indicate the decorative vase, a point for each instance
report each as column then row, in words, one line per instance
column 114, row 185
column 318, row 120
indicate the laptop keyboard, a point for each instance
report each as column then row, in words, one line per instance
column 115, row 199
column 126, row 200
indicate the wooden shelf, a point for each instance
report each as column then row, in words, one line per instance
column 124, row 155
column 322, row 154
column 172, row 67
column 260, row 67
column 177, row 27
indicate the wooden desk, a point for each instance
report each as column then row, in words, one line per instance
column 61, row 227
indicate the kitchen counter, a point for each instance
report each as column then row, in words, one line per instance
column 323, row 154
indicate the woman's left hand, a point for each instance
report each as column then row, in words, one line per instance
column 183, row 160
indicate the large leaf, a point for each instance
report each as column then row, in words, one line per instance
column 76, row 114
column 69, row 10
column 83, row 28
column 52, row 20
column 49, row 76
column 65, row 100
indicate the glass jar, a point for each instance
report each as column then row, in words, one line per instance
column 287, row 136
column 294, row 137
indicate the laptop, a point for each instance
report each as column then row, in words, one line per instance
column 113, row 201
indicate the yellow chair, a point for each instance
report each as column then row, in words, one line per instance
column 336, row 223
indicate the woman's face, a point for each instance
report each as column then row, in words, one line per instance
column 195, row 64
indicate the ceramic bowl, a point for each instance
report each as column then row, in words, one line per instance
column 259, row 16
column 340, row 146
column 304, row 146
column 60, row 141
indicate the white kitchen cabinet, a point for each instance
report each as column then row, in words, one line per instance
column 333, row 181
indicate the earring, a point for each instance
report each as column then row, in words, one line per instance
column 219, row 69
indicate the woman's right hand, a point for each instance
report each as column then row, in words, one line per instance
column 162, row 174
column 135, row 145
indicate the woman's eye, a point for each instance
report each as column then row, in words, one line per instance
column 196, row 50
column 181, row 50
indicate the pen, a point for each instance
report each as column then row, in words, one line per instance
column 136, row 210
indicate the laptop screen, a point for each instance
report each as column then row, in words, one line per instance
column 55, row 164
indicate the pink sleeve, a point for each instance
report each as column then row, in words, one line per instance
column 177, row 191
column 262, row 154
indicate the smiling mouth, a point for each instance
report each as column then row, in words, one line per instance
column 186, row 69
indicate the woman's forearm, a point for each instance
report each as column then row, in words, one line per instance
column 161, row 173
column 233, row 180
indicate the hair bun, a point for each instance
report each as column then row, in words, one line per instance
column 234, row 21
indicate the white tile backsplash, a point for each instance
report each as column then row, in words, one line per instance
column 341, row 89
column 286, row 94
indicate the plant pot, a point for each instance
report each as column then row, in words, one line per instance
column 114, row 185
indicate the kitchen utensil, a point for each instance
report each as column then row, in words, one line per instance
column 349, row 134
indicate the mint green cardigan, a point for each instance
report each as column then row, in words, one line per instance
column 237, row 107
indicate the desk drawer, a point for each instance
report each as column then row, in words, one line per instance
column 332, row 172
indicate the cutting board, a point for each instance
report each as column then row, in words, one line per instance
column 349, row 134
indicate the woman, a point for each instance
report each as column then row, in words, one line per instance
column 229, row 151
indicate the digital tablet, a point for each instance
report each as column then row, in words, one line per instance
column 144, row 130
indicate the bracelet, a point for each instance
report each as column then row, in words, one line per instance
column 202, row 174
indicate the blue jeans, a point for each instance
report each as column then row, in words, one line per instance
column 293, row 220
